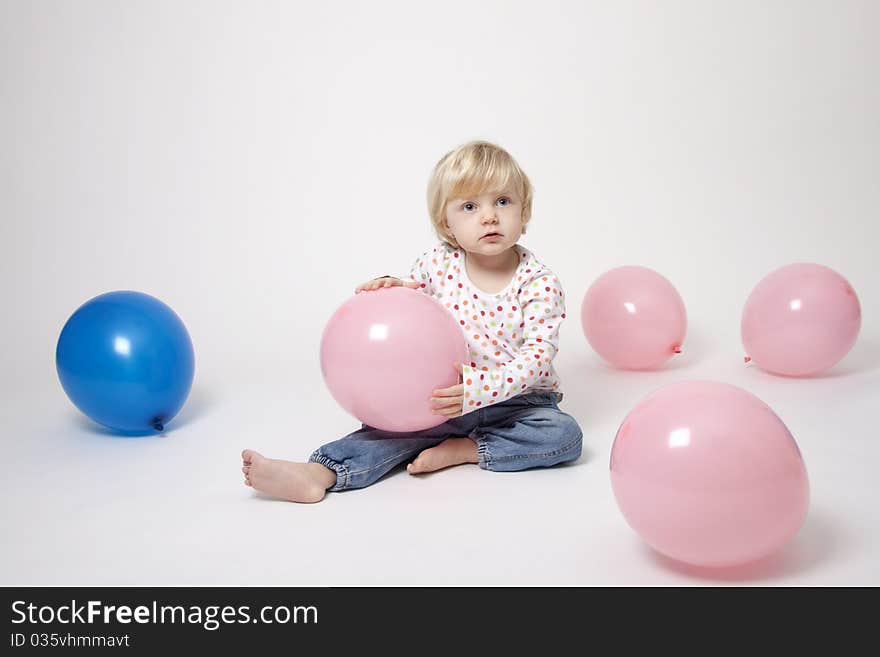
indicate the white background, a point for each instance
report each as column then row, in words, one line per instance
column 249, row 163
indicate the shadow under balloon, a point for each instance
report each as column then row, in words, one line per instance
column 816, row 543
column 196, row 406
column 596, row 392
column 864, row 358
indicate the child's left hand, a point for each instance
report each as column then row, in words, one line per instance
column 450, row 401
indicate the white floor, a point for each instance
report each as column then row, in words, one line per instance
column 85, row 507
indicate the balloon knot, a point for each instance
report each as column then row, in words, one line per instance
column 157, row 425
column 677, row 350
column 747, row 360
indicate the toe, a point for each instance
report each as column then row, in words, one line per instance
column 248, row 456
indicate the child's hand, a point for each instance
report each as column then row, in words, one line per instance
column 450, row 401
column 385, row 281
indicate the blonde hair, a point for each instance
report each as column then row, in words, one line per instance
column 476, row 167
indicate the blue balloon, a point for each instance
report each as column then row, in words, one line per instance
column 126, row 360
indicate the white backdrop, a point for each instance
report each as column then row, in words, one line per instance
column 249, row 163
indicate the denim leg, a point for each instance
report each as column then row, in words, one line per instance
column 527, row 433
column 362, row 457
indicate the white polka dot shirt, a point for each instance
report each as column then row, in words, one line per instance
column 512, row 335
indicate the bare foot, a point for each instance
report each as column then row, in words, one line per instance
column 296, row 482
column 452, row 451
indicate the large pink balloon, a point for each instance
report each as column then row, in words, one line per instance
column 709, row 475
column 384, row 352
column 800, row 320
column 634, row 318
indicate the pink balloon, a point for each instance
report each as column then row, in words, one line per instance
column 384, row 352
column 634, row 318
column 707, row 474
column 800, row 320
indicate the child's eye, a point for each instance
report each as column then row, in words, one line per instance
column 503, row 201
column 468, row 207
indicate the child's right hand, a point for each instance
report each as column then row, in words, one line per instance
column 385, row 281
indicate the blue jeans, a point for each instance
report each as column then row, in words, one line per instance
column 526, row 431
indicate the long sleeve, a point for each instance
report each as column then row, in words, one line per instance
column 422, row 269
column 543, row 309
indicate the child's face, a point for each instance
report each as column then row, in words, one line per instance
column 487, row 223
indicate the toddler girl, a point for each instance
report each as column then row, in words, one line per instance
column 503, row 414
